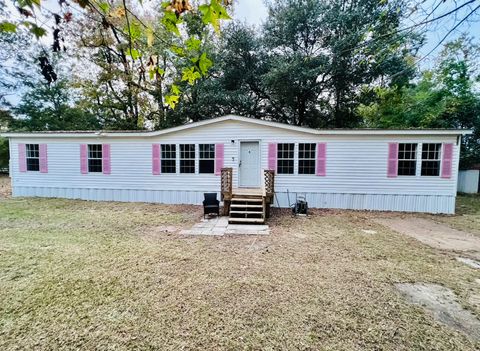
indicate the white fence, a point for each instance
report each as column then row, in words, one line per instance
column 468, row 181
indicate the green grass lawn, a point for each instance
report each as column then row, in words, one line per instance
column 86, row 275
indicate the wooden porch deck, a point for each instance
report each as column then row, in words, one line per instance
column 247, row 191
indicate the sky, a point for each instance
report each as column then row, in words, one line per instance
column 254, row 12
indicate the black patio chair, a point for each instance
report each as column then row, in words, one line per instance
column 211, row 204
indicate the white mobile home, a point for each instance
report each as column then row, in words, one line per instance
column 394, row 170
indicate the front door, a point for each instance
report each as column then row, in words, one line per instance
column 249, row 166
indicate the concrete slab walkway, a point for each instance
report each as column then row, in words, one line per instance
column 220, row 226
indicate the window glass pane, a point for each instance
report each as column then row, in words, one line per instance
column 169, row 156
column 187, row 166
column 32, row 157
column 33, row 164
column 431, row 159
column 285, row 166
column 187, row 158
column 285, row 154
column 306, row 166
column 306, row 158
column 168, row 166
column 95, row 158
column 206, row 163
column 33, row 150
column 95, row 151
column 94, row 165
column 207, row 151
column 407, row 156
column 206, row 166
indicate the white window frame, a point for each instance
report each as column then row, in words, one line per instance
column 187, row 159
column 206, row 159
column 439, row 160
column 175, row 159
column 314, row 159
column 94, row 158
column 289, row 159
column 408, row 159
column 28, row 155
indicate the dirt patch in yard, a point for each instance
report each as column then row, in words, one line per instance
column 442, row 305
column 433, row 234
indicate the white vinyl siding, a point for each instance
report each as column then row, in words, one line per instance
column 356, row 177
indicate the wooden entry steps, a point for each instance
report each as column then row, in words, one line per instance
column 247, row 207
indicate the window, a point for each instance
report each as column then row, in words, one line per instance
column 306, row 158
column 407, row 159
column 187, row 158
column 431, row 159
column 169, row 155
column 206, row 164
column 33, row 157
column 95, row 158
column 285, row 154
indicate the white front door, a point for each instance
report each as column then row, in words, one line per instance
column 249, row 166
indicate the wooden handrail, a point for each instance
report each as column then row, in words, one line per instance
column 226, row 180
column 269, row 182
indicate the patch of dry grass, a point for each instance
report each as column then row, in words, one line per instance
column 467, row 215
column 86, row 275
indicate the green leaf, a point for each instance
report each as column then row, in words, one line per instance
column 213, row 13
column 133, row 53
column 153, row 71
column 8, row 27
column 28, row 3
column 178, row 50
column 172, row 100
column 104, row 6
column 170, row 21
column 204, row 64
column 176, row 89
column 193, row 43
column 134, row 30
column 190, row 75
column 150, row 36
column 37, row 31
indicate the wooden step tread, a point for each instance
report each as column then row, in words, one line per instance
column 242, row 199
column 246, row 220
column 245, row 206
column 247, row 212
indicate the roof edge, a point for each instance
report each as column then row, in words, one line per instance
column 136, row 134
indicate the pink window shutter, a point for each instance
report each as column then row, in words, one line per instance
column 219, row 158
column 272, row 156
column 447, row 159
column 321, row 159
column 106, row 161
column 43, row 158
column 22, row 158
column 156, row 169
column 83, row 159
column 392, row 167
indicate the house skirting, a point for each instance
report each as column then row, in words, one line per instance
column 379, row 202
